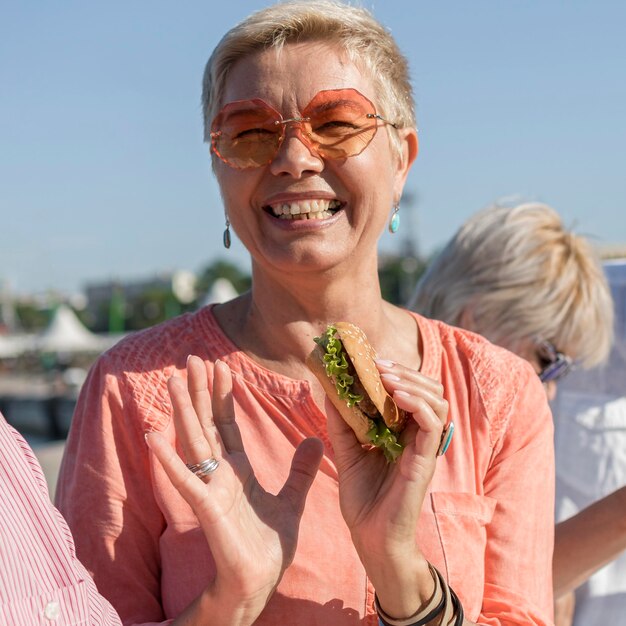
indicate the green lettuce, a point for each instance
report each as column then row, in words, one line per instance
column 337, row 367
column 381, row 436
column 336, row 364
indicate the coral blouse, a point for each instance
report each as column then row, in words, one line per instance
column 487, row 522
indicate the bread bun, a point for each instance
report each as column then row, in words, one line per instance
column 360, row 396
column 356, row 419
column 363, row 355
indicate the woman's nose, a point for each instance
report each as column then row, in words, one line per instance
column 296, row 154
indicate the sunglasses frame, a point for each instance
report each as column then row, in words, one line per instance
column 299, row 121
column 558, row 366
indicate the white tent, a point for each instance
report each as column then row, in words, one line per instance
column 221, row 291
column 12, row 346
column 66, row 333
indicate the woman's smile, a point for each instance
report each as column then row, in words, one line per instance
column 304, row 210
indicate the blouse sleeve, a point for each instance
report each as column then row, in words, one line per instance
column 104, row 493
column 520, row 478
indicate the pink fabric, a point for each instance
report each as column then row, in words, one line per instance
column 487, row 523
column 41, row 581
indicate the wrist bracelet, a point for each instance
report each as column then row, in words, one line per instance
column 443, row 601
column 435, row 607
column 453, row 613
column 458, row 609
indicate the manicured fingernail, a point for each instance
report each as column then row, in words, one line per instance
column 402, row 394
column 388, row 376
column 384, row 363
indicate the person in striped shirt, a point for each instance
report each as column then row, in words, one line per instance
column 41, row 580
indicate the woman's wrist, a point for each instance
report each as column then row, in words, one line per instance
column 443, row 607
column 424, row 615
column 403, row 590
column 220, row 609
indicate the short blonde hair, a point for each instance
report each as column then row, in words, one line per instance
column 517, row 274
column 366, row 42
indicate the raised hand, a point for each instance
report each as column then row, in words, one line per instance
column 252, row 533
column 381, row 501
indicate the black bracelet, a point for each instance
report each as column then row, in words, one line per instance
column 458, row 608
column 425, row 620
column 440, row 586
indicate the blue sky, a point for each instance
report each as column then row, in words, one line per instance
column 103, row 173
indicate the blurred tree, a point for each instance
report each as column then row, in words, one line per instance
column 117, row 311
column 239, row 279
column 32, row 317
column 398, row 277
column 153, row 306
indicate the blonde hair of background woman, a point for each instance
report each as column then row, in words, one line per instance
column 366, row 42
column 514, row 274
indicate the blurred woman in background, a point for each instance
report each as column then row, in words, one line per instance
column 518, row 277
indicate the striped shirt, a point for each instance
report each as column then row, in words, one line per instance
column 41, row 580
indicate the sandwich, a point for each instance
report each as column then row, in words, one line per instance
column 343, row 362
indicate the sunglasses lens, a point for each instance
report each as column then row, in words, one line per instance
column 336, row 124
column 556, row 370
column 341, row 123
column 245, row 134
column 555, row 364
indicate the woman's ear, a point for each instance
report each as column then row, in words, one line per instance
column 408, row 153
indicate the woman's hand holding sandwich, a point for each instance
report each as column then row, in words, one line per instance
column 380, row 500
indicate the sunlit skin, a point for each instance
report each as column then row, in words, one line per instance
column 367, row 184
column 307, row 273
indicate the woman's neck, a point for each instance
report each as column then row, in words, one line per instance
column 275, row 322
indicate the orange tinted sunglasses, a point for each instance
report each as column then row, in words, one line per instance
column 336, row 124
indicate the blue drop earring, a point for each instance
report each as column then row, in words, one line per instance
column 394, row 221
column 226, row 238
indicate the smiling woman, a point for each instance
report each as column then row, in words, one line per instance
column 309, row 114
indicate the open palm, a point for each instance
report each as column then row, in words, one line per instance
column 252, row 533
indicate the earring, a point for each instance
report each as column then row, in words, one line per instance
column 226, row 238
column 394, row 220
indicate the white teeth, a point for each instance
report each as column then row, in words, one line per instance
column 306, row 209
column 317, row 215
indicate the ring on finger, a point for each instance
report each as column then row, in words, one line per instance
column 204, row 468
column 446, row 438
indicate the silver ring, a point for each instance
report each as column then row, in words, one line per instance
column 204, row 468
